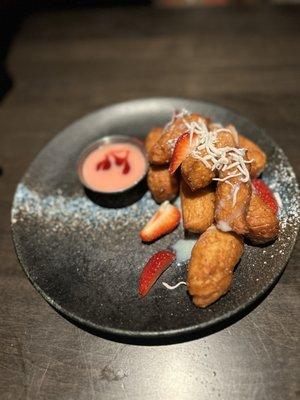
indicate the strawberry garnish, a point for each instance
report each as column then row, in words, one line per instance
column 156, row 265
column 265, row 193
column 184, row 145
column 166, row 218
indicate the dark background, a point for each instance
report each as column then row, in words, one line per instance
column 14, row 12
column 61, row 60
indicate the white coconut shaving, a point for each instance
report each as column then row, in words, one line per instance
column 176, row 115
column 170, row 287
column 221, row 159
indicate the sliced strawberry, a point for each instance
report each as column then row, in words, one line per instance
column 265, row 193
column 156, row 265
column 166, row 218
column 184, row 145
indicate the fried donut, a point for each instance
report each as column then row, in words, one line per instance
column 162, row 185
column 230, row 214
column 161, row 152
column 254, row 153
column 232, row 204
column 197, row 207
column 232, row 200
column 211, row 265
column 153, row 137
column 263, row 224
column 195, row 173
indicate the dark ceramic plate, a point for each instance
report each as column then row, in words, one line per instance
column 85, row 260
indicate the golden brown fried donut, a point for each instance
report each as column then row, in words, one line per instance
column 161, row 152
column 211, row 265
column 197, row 207
column 232, row 204
column 230, row 215
column 254, row 153
column 153, row 137
column 263, row 224
column 161, row 184
column 195, row 173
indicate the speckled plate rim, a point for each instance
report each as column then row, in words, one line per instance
column 197, row 328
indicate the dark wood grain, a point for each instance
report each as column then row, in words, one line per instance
column 64, row 65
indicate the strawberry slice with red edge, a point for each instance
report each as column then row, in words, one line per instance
column 265, row 193
column 156, row 265
column 183, row 147
column 166, row 218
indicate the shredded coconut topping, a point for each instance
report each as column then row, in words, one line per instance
column 176, row 115
column 166, row 285
column 220, row 159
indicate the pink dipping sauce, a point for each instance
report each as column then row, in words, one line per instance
column 113, row 167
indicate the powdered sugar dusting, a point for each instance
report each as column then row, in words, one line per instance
column 282, row 180
column 77, row 211
column 171, row 143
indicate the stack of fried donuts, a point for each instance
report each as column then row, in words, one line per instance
column 218, row 200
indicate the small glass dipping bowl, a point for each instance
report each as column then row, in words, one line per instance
column 119, row 197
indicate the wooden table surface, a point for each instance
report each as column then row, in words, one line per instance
column 66, row 64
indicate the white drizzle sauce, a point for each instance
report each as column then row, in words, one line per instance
column 171, row 143
column 234, row 193
column 223, row 226
column 183, row 249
